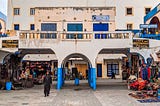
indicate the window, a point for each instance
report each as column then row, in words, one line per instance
column 129, row 11
column 48, row 27
column 147, row 10
column 74, row 27
column 16, row 26
column 16, row 11
column 112, row 68
column 129, row 26
column 32, row 11
column 32, row 27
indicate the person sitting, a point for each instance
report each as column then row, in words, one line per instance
column 23, row 78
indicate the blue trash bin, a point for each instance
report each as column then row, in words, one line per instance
column 8, row 85
column 76, row 81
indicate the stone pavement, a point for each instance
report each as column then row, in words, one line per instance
column 109, row 93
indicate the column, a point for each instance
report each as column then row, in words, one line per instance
column 59, row 78
column 91, row 77
column 94, row 78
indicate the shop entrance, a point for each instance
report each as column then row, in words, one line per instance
column 29, row 65
column 77, row 68
column 76, row 65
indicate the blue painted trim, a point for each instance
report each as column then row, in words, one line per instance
column 151, row 13
column 151, row 36
column 59, row 78
column 94, row 78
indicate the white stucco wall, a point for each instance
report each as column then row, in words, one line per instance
column 121, row 19
column 73, row 15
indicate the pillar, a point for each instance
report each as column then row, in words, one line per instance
column 94, row 78
column 91, row 78
column 59, row 78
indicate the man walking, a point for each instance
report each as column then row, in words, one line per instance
column 47, row 83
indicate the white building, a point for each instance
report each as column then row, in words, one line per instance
column 79, row 33
column 129, row 13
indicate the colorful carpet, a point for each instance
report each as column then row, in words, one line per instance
column 149, row 100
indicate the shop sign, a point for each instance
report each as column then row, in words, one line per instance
column 9, row 43
column 148, row 26
column 141, row 43
column 100, row 18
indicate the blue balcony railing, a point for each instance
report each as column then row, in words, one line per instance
column 151, row 36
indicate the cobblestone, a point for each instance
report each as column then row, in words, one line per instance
column 108, row 93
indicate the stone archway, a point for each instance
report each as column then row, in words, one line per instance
column 77, row 57
column 155, row 20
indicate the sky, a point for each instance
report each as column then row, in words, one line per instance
column 3, row 6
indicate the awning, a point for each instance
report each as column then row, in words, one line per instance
column 39, row 57
column 110, row 56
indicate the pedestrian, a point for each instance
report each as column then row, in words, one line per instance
column 144, row 72
column 47, row 83
column 113, row 75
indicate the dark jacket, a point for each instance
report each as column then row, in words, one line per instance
column 47, row 80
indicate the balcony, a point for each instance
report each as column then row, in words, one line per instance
column 74, row 35
column 150, row 36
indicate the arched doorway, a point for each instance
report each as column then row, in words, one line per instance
column 75, row 66
column 33, row 61
column 137, row 60
column 110, row 60
column 155, row 20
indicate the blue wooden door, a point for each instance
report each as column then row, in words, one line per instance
column 99, row 70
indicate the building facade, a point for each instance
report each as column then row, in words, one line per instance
column 80, row 34
column 128, row 14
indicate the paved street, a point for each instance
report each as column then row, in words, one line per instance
column 108, row 93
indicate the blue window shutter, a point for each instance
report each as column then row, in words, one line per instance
column 74, row 27
column 100, row 27
column 48, row 27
